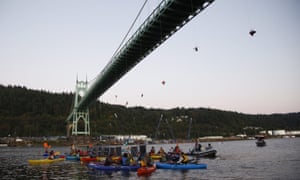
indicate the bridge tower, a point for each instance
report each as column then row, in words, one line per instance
column 81, row 120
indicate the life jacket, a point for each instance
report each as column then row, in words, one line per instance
column 143, row 163
column 125, row 161
column 185, row 159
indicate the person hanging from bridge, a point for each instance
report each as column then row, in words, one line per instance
column 196, row 48
column 252, row 32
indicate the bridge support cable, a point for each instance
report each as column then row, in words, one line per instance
column 161, row 24
column 136, row 18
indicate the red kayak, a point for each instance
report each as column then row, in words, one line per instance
column 146, row 171
column 87, row 159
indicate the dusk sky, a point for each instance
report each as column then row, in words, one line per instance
column 46, row 44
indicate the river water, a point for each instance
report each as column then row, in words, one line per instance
column 280, row 159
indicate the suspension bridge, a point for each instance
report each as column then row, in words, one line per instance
column 166, row 19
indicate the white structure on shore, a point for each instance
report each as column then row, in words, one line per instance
column 129, row 138
column 281, row 132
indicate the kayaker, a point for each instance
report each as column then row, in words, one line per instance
column 108, row 160
column 177, row 150
column 143, row 162
column 51, row 155
column 131, row 160
column 183, row 158
column 152, row 151
column 138, row 157
column 115, row 158
column 73, row 150
column 209, row 147
column 46, row 147
column 92, row 152
column 125, row 160
column 163, row 154
column 197, row 146
column 146, row 161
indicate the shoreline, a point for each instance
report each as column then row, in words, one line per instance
column 89, row 141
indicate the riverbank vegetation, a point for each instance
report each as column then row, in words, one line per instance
column 26, row 112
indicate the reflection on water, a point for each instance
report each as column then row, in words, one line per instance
column 236, row 160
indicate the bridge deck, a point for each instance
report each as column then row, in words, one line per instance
column 162, row 23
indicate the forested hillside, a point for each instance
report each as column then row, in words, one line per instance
column 25, row 112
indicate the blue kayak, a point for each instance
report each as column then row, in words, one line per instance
column 180, row 166
column 113, row 167
column 72, row 158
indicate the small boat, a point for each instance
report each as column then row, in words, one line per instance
column 113, row 167
column 260, row 141
column 180, row 166
column 146, row 171
column 210, row 153
column 44, row 161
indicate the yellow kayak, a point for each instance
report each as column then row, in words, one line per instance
column 102, row 158
column 156, row 157
column 44, row 161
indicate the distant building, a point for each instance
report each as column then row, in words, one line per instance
column 19, row 140
column 293, row 133
column 211, row 137
column 241, row 135
column 280, row 132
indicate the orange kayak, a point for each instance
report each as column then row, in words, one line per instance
column 146, row 171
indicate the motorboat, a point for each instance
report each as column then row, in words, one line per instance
column 260, row 142
column 208, row 153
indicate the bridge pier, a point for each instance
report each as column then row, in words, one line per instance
column 80, row 118
column 81, row 123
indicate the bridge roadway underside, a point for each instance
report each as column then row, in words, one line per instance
column 163, row 22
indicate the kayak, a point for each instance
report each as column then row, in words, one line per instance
column 57, row 153
column 44, row 161
column 88, row 159
column 72, row 158
column 113, row 167
column 146, row 171
column 155, row 157
column 115, row 159
column 180, row 166
column 56, row 156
